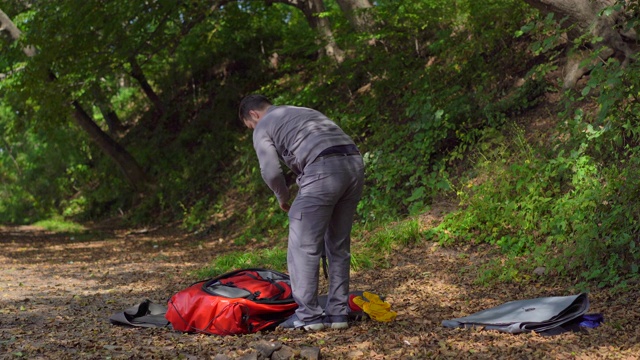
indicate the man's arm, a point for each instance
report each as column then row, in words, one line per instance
column 270, row 168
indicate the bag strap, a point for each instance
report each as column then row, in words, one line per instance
column 256, row 296
column 324, row 266
column 229, row 289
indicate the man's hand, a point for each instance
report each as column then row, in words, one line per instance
column 285, row 207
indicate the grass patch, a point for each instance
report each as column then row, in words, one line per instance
column 274, row 258
column 372, row 251
column 397, row 236
column 361, row 261
column 60, row 226
column 505, row 269
column 382, row 243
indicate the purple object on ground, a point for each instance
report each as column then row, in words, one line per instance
column 591, row 320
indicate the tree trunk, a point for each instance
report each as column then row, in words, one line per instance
column 114, row 124
column 130, row 168
column 587, row 17
column 312, row 10
column 6, row 25
column 357, row 13
column 127, row 164
column 138, row 74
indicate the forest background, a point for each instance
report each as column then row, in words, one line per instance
column 521, row 114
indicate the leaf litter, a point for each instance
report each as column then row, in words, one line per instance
column 57, row 293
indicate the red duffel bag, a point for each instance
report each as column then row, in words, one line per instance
column 240, row 302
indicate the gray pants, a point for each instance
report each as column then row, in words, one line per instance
column 320, row 220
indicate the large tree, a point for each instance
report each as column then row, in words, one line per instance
column 314, row 11
column 357, row 13
column 125, row 161
column 605, row 20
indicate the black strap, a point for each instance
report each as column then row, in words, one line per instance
column 324, row 266
column 256, row 295
column 349, row 149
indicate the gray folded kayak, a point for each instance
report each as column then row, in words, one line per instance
column 539, row 315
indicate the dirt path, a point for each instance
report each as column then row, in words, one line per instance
column 57, row 293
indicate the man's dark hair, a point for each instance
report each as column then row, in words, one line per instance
column 252, row 102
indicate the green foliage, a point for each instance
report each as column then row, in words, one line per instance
column 573, row 209
column 510, row 269
column 411, row 100
column 183, row 151
column 42, row 170
column 193, row 216
column 263, row 221
column 566, row 213
column 510, row 200
column 429, row 98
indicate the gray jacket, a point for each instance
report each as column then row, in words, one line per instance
column 296, row 135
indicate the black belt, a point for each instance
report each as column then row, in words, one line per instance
column 339, row 150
